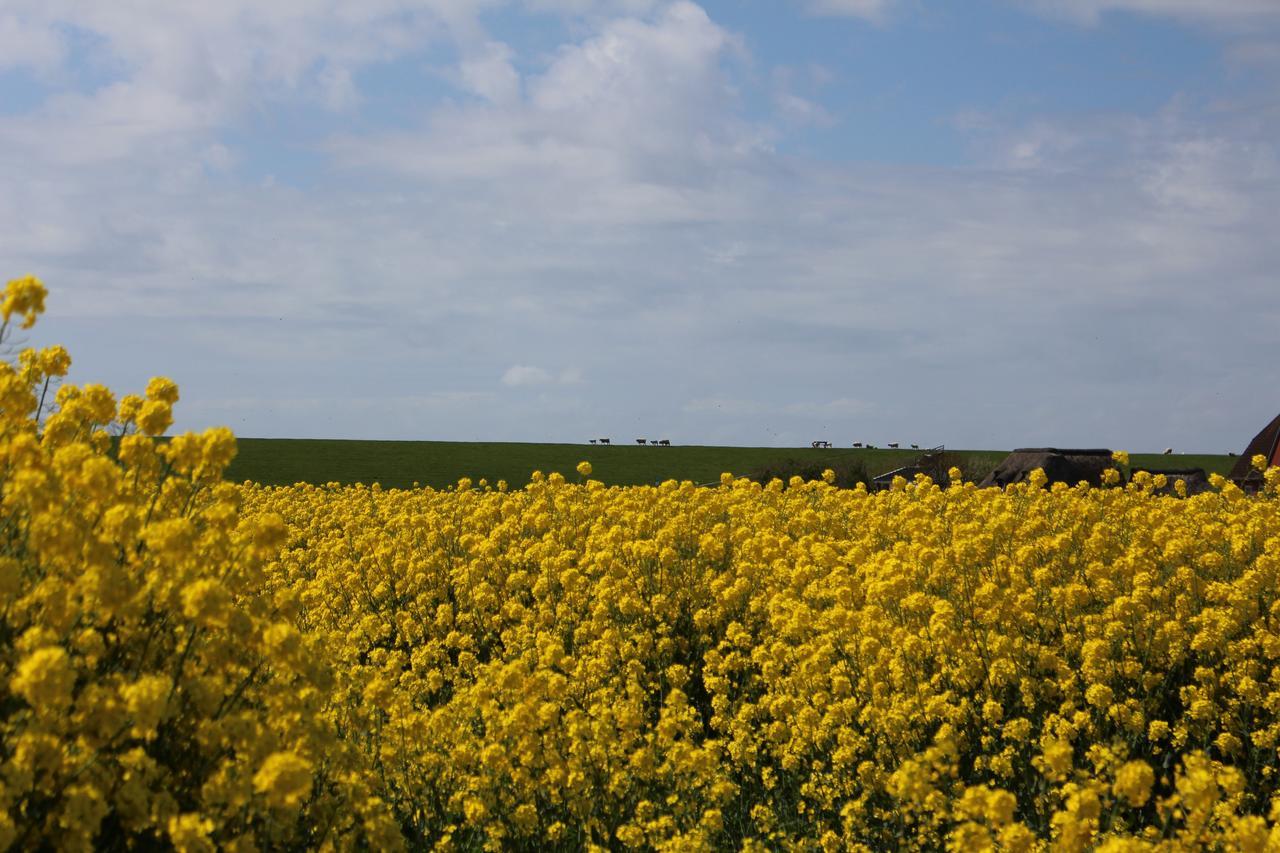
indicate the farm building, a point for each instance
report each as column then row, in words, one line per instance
column 1265, row 443
column 1060, row 466
column 1195, row 479
column 932, row 462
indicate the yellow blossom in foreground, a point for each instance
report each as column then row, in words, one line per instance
column 45, row 678
column 140, row 636
column 569, row 666
column 24, row 296
column 1133, row 782
column 284, row 779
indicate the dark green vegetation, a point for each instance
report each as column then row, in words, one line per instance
column 852, row 469
column 400, row 464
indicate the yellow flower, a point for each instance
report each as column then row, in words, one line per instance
column 163, row 390
column 269, row 533
column 190, row 832
column 284, row 780
column 525, row 818
column 1133, row 783
column 1058, row 757
column 45, row 679
column 24, row 296
column 145, row 700
column 584, row 468
column 206, row 602
column 55, row 361
column 130, row 406
column 201, row 663
column 154, row 417
column 1000, row 807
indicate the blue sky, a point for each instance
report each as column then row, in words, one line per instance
column 996, row 224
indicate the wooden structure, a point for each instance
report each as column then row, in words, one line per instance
column 1265, row 443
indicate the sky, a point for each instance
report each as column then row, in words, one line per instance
column 989, row 224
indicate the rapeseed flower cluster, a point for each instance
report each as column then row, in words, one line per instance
column 143, row 698
column 788, row 666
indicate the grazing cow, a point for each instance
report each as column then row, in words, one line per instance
column 604, row 441
column 894, row 445
column 857, row 444
column 1231, row 453
column 593, row 441
column 915, row 447
column 1168, row 451
column 640, row 441
column 666, row 442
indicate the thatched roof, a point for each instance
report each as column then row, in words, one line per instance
column 1059, row 465
column 1265, row 443
column 1196, row 479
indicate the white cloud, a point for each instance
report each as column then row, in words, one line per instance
column 488, row 72
column 872, row 10
column 1233, row 14
column 633, row 123
column 522, row 375
column 187, row 68
column 337, row 88
column 1213, row 177
column 593, row 8
column 527, row 375
column 27, row 45
column 791, row 105
column 615, row 210
column 1230, row 13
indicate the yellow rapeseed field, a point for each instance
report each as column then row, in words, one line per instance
column 197, row 664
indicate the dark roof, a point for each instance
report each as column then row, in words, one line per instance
column 1263, row 443
column 1067, row 451
column 1195, row 479
column 1060, row 466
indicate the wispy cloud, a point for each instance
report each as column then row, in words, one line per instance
column 1228, row 13
column 872, row 10
column 519, row 375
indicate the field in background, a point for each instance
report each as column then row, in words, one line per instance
column 1212, row 464
column 399, row 464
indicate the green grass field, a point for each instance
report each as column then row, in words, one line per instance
column 1212, row 464
column 400, row 464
